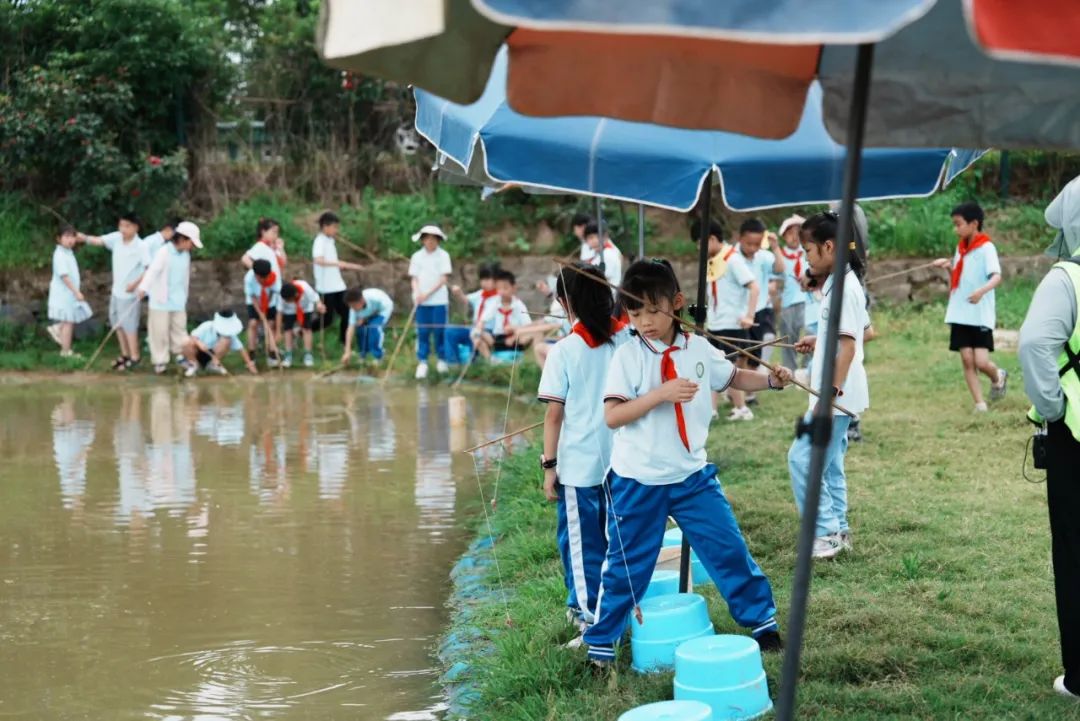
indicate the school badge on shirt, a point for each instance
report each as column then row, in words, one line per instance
column 700, row 369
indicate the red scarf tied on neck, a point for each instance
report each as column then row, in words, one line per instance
column 264, row 296
column 485, row 295
column 506, row 313
column 795, row 256
column 962, row 249
column 299, row 307
column 667, row 373
column 617, row 325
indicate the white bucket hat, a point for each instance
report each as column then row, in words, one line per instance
column 226, row 324
column 428, row 230
column 189, row 230
column 788, row 222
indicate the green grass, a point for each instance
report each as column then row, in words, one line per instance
column 945, row 610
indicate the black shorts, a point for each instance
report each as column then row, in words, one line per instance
column 501, row 344
column 271, row 314
column 203, row 357
column 970, row 336
column 764, row 324
column 288, row 321
column 740, row 333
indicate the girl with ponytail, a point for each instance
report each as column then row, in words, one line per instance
column 577, row 441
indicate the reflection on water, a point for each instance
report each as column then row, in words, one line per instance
column 252, row 550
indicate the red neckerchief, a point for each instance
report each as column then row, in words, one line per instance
column 264, row 297
column 667, row 373
column 963, row 249
column 299, row 307
column 729, row 252
column 797, row 257
column 578, row 329
column 484, row 296
column 506, row 313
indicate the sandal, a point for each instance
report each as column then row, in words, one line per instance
column 119, row 364
column 131, row 363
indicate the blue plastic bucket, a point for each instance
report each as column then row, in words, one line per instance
column 725, row 672
column 670, row 711
column 668, row 621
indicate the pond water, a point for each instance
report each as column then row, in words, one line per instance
column 230, row 550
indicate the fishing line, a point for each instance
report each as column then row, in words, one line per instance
column 491, row 539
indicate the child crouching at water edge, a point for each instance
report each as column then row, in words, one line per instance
column 654, row 400
column 369, row 312
column 577, row 441
column 848, row 384
column 299, row 306
column 66, row 303
column 211, row 341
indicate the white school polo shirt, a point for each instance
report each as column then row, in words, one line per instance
column 762, row 264
column 792, row 294
column 733, row 295
column 478, row 304
column 262, row 251
column 129, row 260
column 308, row 299
column 979, row 265
column 429, row 269
column 574, row 375
column 853, row 321
column 498, row 318
column 610, row 256
column 376, row 303
column 650, row 450
column 327, row 278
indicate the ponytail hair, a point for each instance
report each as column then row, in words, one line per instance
column 823, row 226
column 264, row 225
column 588, row 299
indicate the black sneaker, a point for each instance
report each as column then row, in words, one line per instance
column 770, row 642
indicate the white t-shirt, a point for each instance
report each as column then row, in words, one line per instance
column 376, row 304
column 478, row 304
column 498, row 318
column 308, row 299
column 262, row 251
column 733, row 295
column 792, row 293
column 129, row 260
column 762, row 265
column 574, row 375
column 611, row 258
column 650, row 450
column 206, row 333
column 327, row 278
column 853, row 321
column 154, row 242
column 429, row 269
column 979, row 265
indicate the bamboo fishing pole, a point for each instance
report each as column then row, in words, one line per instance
column 401, row 341
column 493, row 441
column 906, row 271
column 112, row 331
column 738, row 349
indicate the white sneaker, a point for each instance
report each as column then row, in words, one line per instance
column 826, row 547
column 160, row 368
column 579, row 642
column 190, row 371
column 741, row 414
column 981, row 408
column 1059, row 686
column 421, row 371
column 309, row 360
column 441, row 368
column 216, row 368
column 846, row 542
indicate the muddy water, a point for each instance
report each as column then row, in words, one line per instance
column 228, row 550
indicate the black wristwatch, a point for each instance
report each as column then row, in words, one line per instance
column 548, row 463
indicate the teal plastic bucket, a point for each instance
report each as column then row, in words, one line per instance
column 668, row 621
column 673, row 537
column 726, row 673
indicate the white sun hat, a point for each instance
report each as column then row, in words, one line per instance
column 226, row 323
column 428, row 230
column 788, row 222
column 189, row 230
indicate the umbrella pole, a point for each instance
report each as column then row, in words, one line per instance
column 640, row 231
column 820, row 426
column 699, row 319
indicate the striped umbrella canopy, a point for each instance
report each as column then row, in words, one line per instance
column 975, row 73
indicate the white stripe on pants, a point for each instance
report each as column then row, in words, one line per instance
column 577, row 556
column 166, row 331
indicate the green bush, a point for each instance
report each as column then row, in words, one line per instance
column 26, row 233
column 233, row 232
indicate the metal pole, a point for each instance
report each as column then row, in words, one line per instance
column 640, row 231
column 820, row 426
column 699, row 319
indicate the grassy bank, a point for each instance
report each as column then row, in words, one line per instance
column 944, row 610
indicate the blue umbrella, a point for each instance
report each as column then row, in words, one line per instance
column 663, row 166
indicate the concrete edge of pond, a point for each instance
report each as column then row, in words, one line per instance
column 464, row 639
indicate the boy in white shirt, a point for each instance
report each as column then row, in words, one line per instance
column 476, row 303
column 299, row 305
column 130, row 260
column 738, row 295
column 659, row 467
column 369, row 312
column 971, row 314
column 328, row 280
column 848, row 386
column 262, row 288
column 790, row 264
column 752, row 235
column 578, row 224
column 157, row 240
column 429, row 269
column 497, row 329
column 577, row 441
column 603, row 253
column 719, row 255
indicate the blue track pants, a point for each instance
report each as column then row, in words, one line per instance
column 582, row 546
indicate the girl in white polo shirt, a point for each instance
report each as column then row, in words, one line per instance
column 577, row 441
column 654, row 400
column 848, row 382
